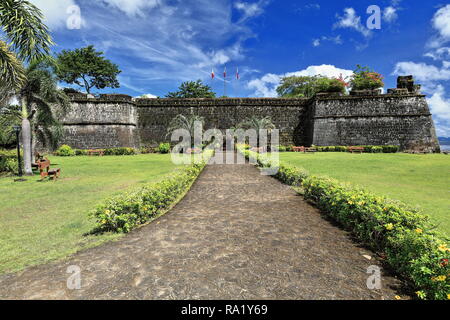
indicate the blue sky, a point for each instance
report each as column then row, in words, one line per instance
column 160, row 43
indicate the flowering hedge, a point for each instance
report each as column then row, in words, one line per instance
column 127, row 211
column 403, row 236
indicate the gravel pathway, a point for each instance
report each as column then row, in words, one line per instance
column 236, row 235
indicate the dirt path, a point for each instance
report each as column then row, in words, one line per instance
column 236, row 235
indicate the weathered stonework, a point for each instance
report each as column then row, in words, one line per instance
column 101, row 123
column 287, row 114
column 119, row 121
column 378, row 120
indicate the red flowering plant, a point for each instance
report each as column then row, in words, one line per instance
column 365, row 79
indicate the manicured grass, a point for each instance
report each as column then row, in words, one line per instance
column 419, row 180
column 42, row 221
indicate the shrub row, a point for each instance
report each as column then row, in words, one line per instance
column 67, row 151
column 8, row 161
column 127, row 211
column 402, row 235
column 367, row 149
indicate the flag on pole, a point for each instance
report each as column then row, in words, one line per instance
column 237, row 74
column 225, row 72
column 212, row 74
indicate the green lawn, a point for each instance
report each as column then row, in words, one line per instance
column 41, row 221
column 419, row 180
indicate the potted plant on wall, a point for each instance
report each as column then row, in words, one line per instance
column 366, row 81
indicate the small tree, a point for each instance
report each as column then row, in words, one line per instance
column 308, row 86
column 366, row 79
column 87, row 68
column 192, row 89
column 188, row 123
column 257, row 124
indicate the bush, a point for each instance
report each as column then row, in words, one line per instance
column 127, row 211
column 399, row 232
column 80, row 152
column 391, row 149
column 366, row 79
column 8, row 161
column 65, row 151
column 282, row 149
column 403, row 235
column 120, row 152
column 330, row 85
column 377, row 150
column 164, row 148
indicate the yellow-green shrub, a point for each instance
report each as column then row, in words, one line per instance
column 125, row 212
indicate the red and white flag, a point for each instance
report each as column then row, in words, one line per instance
column 225, row 72
column 237, row 74
column 212, row 74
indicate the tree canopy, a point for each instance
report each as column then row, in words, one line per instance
column 308, row 86
column 192, row 89
column 87, row 68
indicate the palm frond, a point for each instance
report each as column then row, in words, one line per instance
column 22, row 22
column 12, row 73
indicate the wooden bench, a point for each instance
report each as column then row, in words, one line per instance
column 298, row 149
column 46, row 172
column 99, row 153
column 310, row 150
column 356, row 149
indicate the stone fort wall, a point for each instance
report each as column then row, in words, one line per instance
column 120, row 121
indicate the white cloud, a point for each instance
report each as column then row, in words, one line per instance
column 336, row 40
column 133, row 7
column 148, row 96
column 250, row 10
column 390, row 14
column 422, row 71
column 55, row 12
column 440, row 106
column 441, row 21
column 352, row 21
column 439, row 54
column 266, row 85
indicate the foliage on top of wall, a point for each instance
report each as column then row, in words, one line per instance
column 366, row 79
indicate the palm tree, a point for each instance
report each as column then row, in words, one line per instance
column 188, row 123
column 27, row 39
column 41, row 104
column 257, row 124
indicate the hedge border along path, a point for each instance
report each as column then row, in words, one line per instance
column 125, row 212
column 403, row 237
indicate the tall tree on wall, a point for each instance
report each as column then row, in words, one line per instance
column 192, row 89
column 87, row 68
column 26, row 39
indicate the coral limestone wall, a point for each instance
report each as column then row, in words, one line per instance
column 119, row 121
